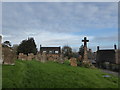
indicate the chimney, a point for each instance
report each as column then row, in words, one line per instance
column 98, row 48
column 115, row 46
column 90, row 50
column 40, row 46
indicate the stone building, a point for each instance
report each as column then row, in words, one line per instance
column 107, row 55
column 50, row 50
column 52, row 53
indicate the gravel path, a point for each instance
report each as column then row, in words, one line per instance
column 110, row 72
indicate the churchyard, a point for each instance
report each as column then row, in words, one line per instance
column 49, row 68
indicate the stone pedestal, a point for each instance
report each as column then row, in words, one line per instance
column 85, row 57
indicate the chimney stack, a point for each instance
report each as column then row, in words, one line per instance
column 98, row 48
column 90, row 50
column 115, row 46
column 40, row 46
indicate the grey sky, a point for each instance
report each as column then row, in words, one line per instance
column 58, row 24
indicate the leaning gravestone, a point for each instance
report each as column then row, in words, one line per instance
column 73, row 61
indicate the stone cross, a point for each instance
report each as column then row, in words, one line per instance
column 85, row 41
column 85, row 58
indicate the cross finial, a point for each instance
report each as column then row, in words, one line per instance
column 85, row 41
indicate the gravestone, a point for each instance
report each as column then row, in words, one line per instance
column 30, row 56
column 43, row 57
column 38, row 57
column 61, row 60
column 9, row 56
column 22, row 56
column 73, row 61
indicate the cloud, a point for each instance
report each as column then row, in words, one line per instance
column 60, row 1
column 53, row 38
column 56, row 23
column 106, row 38
column 59, row 17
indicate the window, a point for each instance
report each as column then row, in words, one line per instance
column 50, row 51
column 44, row 51
column 56, row 51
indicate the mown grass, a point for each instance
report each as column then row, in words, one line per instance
column 34, row 74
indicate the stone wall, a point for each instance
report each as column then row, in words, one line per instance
column 30, row 56
column 41, row 57
column 49, row 57
column 22, row 56
column 52, row 57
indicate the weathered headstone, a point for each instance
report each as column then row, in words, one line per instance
column 38, row 57
column 73, row 62
column 43, row 57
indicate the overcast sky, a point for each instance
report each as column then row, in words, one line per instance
column 59, row 23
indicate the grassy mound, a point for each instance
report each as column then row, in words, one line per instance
column 34, row 74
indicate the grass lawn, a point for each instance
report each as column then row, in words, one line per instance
column 34, row 74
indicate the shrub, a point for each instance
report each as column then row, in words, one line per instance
column 67, row 62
